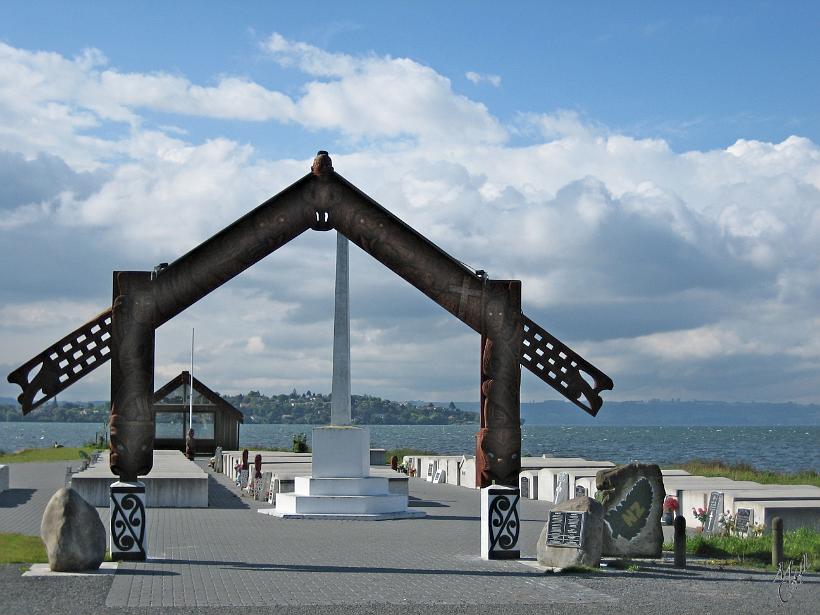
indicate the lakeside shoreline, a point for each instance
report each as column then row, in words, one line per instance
column 767, row 448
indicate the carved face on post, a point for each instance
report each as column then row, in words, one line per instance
column 499, row 456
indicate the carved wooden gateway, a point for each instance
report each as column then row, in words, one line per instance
column 322, row 200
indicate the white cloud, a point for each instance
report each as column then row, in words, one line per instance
column 382, row 97
column 477, row 78
column 255, row 345
column 663, row 268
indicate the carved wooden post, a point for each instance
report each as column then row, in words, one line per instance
column 132, row 375
column 498, row 444
column 132, row 417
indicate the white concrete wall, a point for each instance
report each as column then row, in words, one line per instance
column 795, row 514
column 4, row 478
column 467, row 473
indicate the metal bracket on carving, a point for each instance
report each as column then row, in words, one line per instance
column 62, row 364
column 562, row 368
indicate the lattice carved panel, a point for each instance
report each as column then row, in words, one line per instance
column 561, row 368
column 62, row 364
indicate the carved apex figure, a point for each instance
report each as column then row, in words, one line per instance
column 322, row 164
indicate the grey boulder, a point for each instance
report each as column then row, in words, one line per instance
column 632, row 497
column 589, row 553
column 73, row 533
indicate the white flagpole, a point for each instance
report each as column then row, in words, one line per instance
column 191, row 401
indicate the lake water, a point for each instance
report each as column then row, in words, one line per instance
column 774, row 448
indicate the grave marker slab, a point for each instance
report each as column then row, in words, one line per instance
column 744, row 518
column 714, row 509
column 525, row 487
column 562, row 488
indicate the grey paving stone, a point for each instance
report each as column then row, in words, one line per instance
column 228, row 559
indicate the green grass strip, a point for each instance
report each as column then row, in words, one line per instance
column 21, row 549
column 30, row 455
column 743, row 471
column 756, row 551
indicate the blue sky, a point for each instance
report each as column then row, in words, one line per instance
column 651, row 172
column 699, row 74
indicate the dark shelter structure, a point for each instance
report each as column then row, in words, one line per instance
column 215, row 421
column 322, row 200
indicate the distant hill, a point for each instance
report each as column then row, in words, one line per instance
column 304, row 408
column 315, row 408
column 668, row 413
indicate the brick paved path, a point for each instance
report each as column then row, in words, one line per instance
column 229, row 555
column 234, row 560
column 31, row 486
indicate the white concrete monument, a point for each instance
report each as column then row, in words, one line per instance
column 340, row 485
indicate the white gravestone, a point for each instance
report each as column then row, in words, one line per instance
column 128, row 537
column 562, row 488
column 500, row 522
column 715, row 509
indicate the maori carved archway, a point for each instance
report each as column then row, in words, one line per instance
column 322, row 200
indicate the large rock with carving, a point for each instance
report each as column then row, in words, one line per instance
column 73, row 533
column 632, row 497
column 588, row 553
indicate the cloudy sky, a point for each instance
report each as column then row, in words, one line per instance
column 652, row 176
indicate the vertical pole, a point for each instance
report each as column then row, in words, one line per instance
column 777, row 541
column 191, row 396
column 340, row 409
column 680, row 542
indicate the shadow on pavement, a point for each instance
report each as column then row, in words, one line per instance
column 222, row 497
column 691, row 573
column 354, row 569
column 15, row 497
column 149, row 573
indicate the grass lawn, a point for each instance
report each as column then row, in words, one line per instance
column 406, row 452
column 755, row 551
column 743, row 471
column 47, row 454
column 17, row 548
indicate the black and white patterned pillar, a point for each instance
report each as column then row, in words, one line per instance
column 128, row 536
column 500, row 525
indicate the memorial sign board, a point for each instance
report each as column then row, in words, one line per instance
column 744, row 518
column 566, row 529
column 714, row 509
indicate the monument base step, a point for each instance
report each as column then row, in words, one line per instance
column 367, row 485
column 300, row 503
